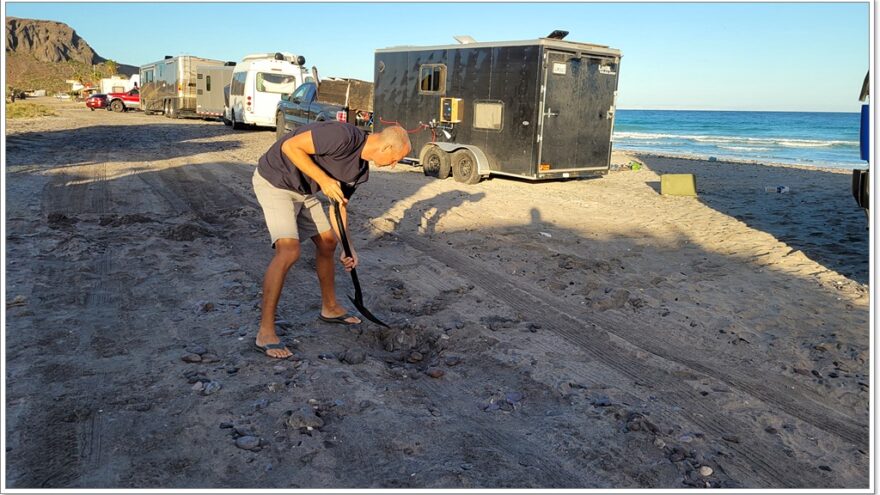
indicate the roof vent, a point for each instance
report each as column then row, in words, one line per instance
column 464, row 39
column 557, row 34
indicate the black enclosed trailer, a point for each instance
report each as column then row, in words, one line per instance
column 537, row 109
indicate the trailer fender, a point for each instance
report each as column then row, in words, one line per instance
column 482, row 161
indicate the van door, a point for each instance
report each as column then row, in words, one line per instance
column 578, row 112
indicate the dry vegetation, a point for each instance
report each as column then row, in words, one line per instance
column 26, row 109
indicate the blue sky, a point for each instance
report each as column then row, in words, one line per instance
column 724, row 56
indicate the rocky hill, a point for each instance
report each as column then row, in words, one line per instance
column 44, row 54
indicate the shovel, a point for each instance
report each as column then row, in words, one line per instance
column 358, row 299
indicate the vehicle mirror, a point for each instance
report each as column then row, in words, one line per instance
column 296, row 100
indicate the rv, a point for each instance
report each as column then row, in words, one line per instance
column 116, row 84
column 210, row 81
column 535, row 109
column 169, row 85
column 258, row 82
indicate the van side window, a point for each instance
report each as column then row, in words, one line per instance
column 432, row 79
column 237, row 86
column 488, row 114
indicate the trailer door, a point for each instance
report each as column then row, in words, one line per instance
column 577, row 113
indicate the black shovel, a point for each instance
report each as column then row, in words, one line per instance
column 358, row 299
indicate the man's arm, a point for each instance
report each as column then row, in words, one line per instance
column 298, row 150
column 347, row 262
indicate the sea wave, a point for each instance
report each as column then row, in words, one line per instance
column 743, row 148
column 737, row 140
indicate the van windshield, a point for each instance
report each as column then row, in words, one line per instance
column 276, row 83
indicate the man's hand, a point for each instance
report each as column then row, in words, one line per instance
column 333, row 190
column 347, row 262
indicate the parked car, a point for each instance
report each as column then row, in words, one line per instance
column 122, row 102
column 344, row 100
column 97, row 100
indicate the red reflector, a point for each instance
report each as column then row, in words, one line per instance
column 341, row 117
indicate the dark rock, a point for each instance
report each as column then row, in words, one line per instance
column 452, row 360
column 247, row 442
column 232, row 370
column 304, row 417
column 354, row 356
column 415, row 357
column 196, row 349
column 225, row 425
column 244, row 430
column 730, row 438
column 467, row 466
column 206, row 307
column 211, row 387
column 825, row 468
column 601, row 401
column 191, row 358
column 771, row 430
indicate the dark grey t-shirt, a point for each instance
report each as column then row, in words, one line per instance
column 338, row 149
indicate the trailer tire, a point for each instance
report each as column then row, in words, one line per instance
column 464, row 167
column 436, row 163
column 117, row 106
column 172, row 108
column 280, row 131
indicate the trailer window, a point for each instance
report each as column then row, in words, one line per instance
column 432, row 79
column 275, row 83
column 208, row 83
column 488, row 115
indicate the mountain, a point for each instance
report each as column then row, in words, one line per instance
column 44, row 54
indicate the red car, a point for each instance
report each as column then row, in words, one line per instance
column 97, row 101
column 122, row 102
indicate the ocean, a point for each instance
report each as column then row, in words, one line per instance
column 806, row 138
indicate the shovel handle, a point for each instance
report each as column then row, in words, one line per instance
column 341, row 228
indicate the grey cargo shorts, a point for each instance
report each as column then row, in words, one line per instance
column 289, row 214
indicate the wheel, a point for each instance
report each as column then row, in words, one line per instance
column 165, row 109
column 225, row 120
column 464, row 167
column 280, row 131
column 92, row 109
column 235, row 124
column 117, row 106
column 436, row 163
column 174, row 112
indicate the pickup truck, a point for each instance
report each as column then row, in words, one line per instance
column 344, row 100
column 122, row 102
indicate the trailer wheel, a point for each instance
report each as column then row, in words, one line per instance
column 464, row 167
column 117, row 106
column 279, row 126
column 174, row 113
column 436, row 163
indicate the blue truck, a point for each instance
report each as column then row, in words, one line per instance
column 344, row 100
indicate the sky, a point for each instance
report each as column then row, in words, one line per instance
column 683, row 56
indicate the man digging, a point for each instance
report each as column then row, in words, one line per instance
column 330, row 157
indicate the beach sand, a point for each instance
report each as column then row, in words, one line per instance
column 563, row 334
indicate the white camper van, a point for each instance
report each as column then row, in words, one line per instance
column 258, row 82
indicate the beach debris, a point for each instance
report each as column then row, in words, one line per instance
column 248, row 442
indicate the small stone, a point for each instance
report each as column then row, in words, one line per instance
column 191, row 358
column 275, row 387
column 435, row 372
column 198, row 386
column 686, row 438
column 730, row 438
column 244, row 430
column 247, row 442
column 228, row 332
column 415, row 357
column 659, row 443
column 210, row 358
column 225, row 425
column 491, row 406
column 434, row 411
column 771, row 430
column 467, row 466
column 601, row 401
column 232, row 370
column 354, row 356
column 279, row 368
column 260, row 404
column 513, row 397
column 206, row 306
column 825, row 468
column 452, row 360
column 211, row 387
column 326, row 356
column 196, row 349
column 283, row 324
column 304, row 417
column 706, row 471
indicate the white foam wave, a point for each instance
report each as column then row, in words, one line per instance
column 737, row 140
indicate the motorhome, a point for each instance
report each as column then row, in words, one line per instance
column 258, row 82
column 210, row 81
column 169, row 85
column 535, row 109
column 117, row 84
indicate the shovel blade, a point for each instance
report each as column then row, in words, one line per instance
column 364, row 311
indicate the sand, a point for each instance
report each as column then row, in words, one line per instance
column 566, row 334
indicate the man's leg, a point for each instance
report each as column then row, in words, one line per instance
column 325, row 250
column 286, row 254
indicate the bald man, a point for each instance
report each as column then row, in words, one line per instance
column 331, row 157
